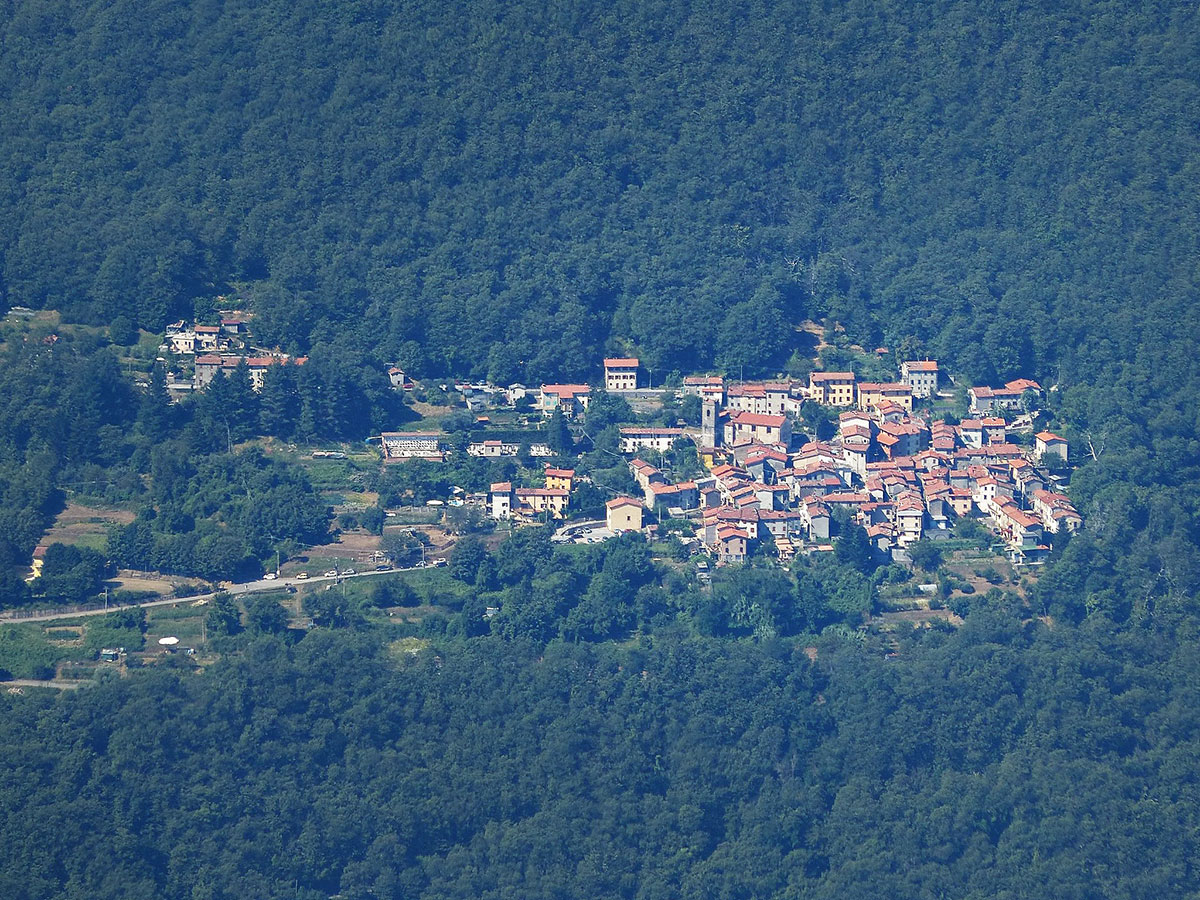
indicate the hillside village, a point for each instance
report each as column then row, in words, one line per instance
column 213, row 350
column 767, row 481
column 900, row 475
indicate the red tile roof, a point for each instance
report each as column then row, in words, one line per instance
column 621, row 501
column 566, row 390
column 541, row 492
column 757, row 420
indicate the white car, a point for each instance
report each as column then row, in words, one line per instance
column 270, row 576
column 332, row 573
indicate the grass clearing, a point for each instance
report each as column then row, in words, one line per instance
column 86, row 525
column 407, row 647
column 26, row 652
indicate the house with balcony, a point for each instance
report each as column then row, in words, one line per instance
column 620, row 374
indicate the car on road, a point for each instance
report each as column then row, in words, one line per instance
column 301, row 574
column 270, row 576
column 350, row 572
column 440, row 561
column 332, row 573
column 382, row 567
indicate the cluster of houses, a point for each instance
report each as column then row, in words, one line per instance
column 219, row 350
column 621, row 376
column 210, row 365
column 739, row 503
column 529, row 504
column 899, row 474
column 186, row 338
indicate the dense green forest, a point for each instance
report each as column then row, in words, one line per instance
column 1008, row 186
column 506, row 190
column 512, row 190
column 1007, row 760
column 73, row 420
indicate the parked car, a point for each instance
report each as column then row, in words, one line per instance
column 440, row 561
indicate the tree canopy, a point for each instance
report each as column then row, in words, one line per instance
column 512, row 191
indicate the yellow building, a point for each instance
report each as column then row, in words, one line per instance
column 870, row 395
column 560, row 479
column 623, row 514
column 539, row 500
column 832, row 388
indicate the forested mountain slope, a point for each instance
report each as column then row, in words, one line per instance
column 510, row 190
column 1000, row 762
column 500, row 189
column 1013, row 186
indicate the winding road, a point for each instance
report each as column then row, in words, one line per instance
column 262, row 586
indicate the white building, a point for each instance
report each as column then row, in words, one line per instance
column 412, row 445
column 921, row 375
column 634, row 438
column 500, row 500
column 620, row 374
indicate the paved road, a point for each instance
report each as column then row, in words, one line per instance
column 30, row 682
column 566, row 532
column 249, row 587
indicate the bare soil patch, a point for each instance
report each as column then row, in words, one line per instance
column 353, row 543
column 76, row 514
column 429, row 411
column 89, row 525
column 918, row 617
column 159, row 584
column 812, row 338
